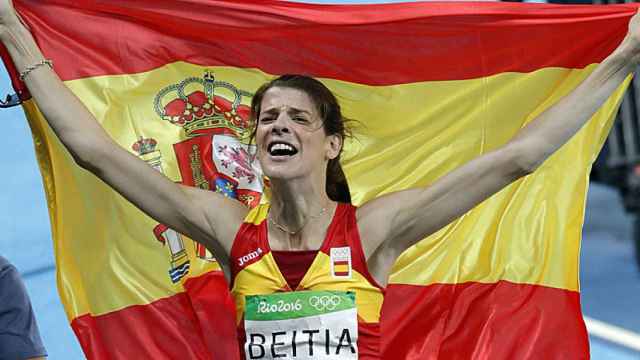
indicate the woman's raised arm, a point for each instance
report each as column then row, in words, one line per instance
column 393, row 223
column 191, row 211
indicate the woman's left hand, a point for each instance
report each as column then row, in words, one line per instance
column 630, row 46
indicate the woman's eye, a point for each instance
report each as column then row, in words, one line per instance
column 266, row 119
column 300, row 119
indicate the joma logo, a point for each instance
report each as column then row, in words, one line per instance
column 250, row 256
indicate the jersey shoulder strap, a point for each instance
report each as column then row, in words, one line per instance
column 248, row 244
column 257, row 215
column 344, row 245
column 343, row 231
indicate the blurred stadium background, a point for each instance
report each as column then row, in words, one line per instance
column 610, row 275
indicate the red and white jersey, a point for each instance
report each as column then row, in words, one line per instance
column 339, row 265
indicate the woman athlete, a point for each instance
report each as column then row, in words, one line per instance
column 306, row 239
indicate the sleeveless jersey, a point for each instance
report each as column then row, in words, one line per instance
column 339, row 266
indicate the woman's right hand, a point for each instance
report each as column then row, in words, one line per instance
column 204, row 216
column 10, row 19
column 7, row 13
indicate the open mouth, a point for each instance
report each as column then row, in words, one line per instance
column 279, row 148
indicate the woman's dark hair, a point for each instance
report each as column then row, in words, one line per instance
column 333, row 123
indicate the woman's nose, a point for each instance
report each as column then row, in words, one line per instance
column 281, row 125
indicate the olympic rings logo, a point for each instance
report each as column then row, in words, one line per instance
column 325, row 302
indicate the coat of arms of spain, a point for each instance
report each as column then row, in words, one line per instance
column 216, row 154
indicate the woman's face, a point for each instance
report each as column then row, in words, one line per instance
column 290, row 136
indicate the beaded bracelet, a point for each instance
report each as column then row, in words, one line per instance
column 35, row 66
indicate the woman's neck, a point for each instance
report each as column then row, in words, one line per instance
column 295, row 203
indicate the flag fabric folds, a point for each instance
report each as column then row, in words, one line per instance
column 432, row 86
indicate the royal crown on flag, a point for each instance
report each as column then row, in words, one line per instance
column 202, row 104
column 144, row 146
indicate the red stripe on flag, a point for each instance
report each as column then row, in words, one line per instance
column 164, row 329
column 379, row 44
column 177, row 327
column 482, row 321
column 340, row 262
column 216, row 312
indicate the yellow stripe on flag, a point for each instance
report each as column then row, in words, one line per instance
column 519, row 235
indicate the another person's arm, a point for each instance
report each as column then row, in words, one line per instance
column 19, row 335
column 191, row 211
column 393, row 223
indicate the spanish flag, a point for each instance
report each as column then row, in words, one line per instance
column 432, row 85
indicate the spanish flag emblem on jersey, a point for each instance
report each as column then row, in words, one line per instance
column 433, row 85
column 340, row 262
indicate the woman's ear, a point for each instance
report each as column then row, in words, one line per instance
column 334, row 145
